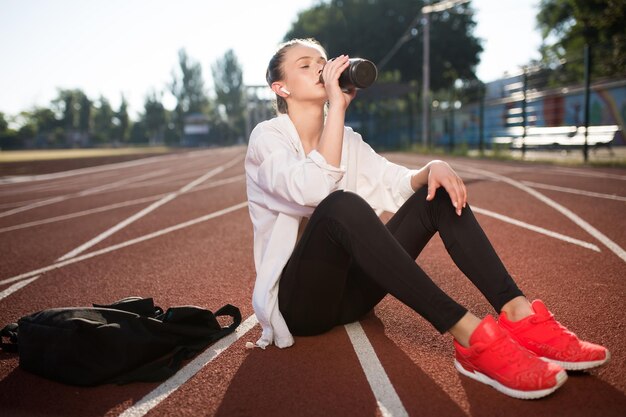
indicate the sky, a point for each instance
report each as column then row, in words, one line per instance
column 130, row 47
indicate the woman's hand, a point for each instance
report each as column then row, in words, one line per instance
column 331, row 72
column 442, row 175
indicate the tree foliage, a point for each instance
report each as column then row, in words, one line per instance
column 103, row 121
column 4, row 124
column 122, row 121
column 371, row 28
column 229, row 90
column 567, row 25
column 154, row 118
column 188, row 86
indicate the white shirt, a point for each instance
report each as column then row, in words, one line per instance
column 284, row 185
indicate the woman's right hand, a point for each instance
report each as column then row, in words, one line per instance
column 331, row 73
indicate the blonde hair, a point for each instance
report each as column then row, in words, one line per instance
column 275, row 70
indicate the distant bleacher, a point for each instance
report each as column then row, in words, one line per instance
column 561, row 137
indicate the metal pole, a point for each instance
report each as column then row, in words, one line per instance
column 481, row 122
column 587, row 94
column 452, row 103
column 426, row 82
column 525, row 87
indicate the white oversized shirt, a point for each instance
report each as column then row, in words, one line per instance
column 284, row 185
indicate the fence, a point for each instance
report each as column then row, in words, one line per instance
column 521, row 110
column 538, row 107
column 517, row 112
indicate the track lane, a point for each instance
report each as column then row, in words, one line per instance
column 416, row 358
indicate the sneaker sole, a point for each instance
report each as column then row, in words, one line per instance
column 579, row 366
column 561, row 377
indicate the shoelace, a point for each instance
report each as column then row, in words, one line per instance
column 510, row 351
column 525, row 371
column 557, row 328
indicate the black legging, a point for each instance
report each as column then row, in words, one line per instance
column 347, row 260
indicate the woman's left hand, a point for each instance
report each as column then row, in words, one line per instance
column 442, row 175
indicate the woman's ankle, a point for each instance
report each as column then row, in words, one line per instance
column 518, row 309
column 463, row 329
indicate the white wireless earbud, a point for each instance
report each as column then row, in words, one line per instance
column 284, row 90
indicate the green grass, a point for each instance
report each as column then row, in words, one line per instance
column 601, row 158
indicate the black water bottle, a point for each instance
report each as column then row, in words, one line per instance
column 361, row 73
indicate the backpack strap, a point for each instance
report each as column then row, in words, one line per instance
column 142, row 306
column 9, row 331
column 168, row 365
column 227, row 310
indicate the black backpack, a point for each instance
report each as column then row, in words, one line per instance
column 129, row 340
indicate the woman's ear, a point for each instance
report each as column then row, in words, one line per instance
column 280, row 90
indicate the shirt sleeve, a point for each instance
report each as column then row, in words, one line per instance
column 287, row 180
column 384, row 184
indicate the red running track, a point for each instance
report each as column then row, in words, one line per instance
column 176, row 228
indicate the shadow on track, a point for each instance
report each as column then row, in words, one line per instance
column 25, row 394
column 582, row 395
column 321, row 376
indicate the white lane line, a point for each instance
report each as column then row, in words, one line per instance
column 582, row 173
column 537, row 229
column 31, row 206
column 123, row 182
column 16, row 287
column 54, row 185
column 574, row 191
column 122, row 204
column 150, row 208
column 612, row 246
column 100, row 168
column 83, row 193
column 13, row 204
column 121, row 245
column 160, row 393
column 386, row 396
column 80, row 213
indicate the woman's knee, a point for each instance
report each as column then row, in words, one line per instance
column 343, row 202
column 441, row 195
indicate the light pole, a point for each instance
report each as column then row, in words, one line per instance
column 426, row 11
column 426, row 80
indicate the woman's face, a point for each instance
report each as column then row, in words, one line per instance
column 302, row 66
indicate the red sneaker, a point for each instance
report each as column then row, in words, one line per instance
column 495, row 359
column 548, row 339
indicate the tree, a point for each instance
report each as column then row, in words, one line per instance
column 46, row 125
column 84, row 118
column 187, row 86
column 8, row 136
column 4, row 124
column 26, row 133
column 73, row 108
column 103, row 121
column 122, row 121
column 370, row 29
column 154, row 118
column 567, row 25
column 228, row 79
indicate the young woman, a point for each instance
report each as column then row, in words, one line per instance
column 323, row 257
